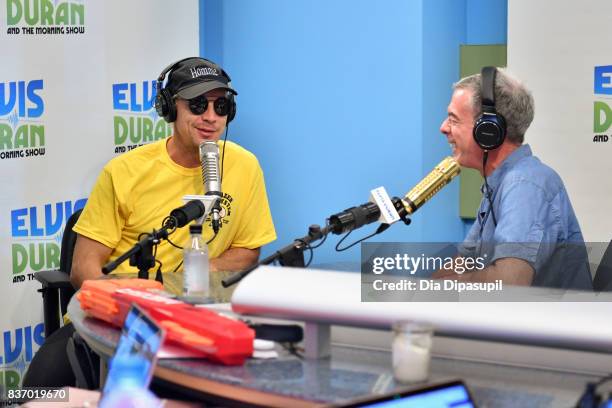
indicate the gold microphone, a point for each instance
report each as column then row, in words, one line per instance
column 440, row 176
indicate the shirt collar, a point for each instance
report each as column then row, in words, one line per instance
column 510, row 161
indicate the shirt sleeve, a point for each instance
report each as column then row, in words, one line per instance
column 101, row 219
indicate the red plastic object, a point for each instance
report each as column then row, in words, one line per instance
column 218, row 338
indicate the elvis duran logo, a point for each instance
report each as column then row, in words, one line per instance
column 37, row 235
column 22, row 132
column 602, row 112
column 45, row 17
column 135, row 121
column 16, row 353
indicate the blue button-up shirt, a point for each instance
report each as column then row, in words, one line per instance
column 535, row 222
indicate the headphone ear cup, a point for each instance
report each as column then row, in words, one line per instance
column 165, row 106
column 490, row 131
column 232, row 111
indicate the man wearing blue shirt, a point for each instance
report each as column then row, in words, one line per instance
column 525, row 228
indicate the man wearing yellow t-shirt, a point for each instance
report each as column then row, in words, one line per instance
column 138, row 189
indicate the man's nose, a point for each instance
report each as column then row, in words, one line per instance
column 445, row 127
column 209, row 114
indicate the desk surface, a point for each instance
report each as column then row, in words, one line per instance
column 349, row 373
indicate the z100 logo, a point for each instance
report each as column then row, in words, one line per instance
column 38, row 232
column 21, row 107
column 136, row 122
column 602, row 113
column 18, row 349
column 45, row 17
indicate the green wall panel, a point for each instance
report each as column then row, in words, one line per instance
column 473, row 58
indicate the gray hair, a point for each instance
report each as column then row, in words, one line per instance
column 512, row 100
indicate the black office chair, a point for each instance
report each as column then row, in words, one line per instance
column 57, row 292
column 56, row 287
column 603, row 276
column 84, row 362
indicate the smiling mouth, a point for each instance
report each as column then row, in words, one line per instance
column 205, row 132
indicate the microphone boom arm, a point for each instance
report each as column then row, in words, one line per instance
column 291, row 255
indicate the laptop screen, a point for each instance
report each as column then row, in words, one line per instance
column 453, row 394
column 136, row 354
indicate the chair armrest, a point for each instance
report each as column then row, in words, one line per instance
column 53, row 279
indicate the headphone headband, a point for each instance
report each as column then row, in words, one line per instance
column 488, row 89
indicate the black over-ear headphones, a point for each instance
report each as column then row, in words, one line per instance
column 490, row 127
column 164, row 100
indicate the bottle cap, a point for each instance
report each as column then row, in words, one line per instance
column 195, row 229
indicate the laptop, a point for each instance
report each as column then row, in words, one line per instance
column 137, row 349
column 451, row 394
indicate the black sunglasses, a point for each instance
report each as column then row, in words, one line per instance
column 199, row 104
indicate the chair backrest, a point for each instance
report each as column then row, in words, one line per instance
column 603, row 275
column 68, row 242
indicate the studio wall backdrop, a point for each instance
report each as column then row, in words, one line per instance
column 77, row 85
column 567, row 64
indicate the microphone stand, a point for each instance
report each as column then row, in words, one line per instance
column 291, row 255
column 141, row 254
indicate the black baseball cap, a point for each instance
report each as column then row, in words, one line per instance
column 196, row 76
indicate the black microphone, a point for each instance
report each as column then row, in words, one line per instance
column 209, row 157
column 355, row 217
column 179, row 217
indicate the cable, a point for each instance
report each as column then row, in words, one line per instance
column 488, row 191
column 177, row 267
column 342, row 240
column 170, row 223
column 292, row 349
column 307, row 246
column 324, row 238
column 381, row 228
column 173, row 244
column 213, row 238
column 311, row 248
column 223, row 155
column 158, row 274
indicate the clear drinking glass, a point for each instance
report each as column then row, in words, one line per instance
column 411, row 351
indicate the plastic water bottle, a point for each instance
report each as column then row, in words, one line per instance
column 196, row 267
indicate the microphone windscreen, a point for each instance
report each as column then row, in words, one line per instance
column 209, row 157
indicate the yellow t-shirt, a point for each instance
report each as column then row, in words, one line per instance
column 137, row 190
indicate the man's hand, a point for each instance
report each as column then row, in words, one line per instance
column 444, row 274
column 511, row 271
